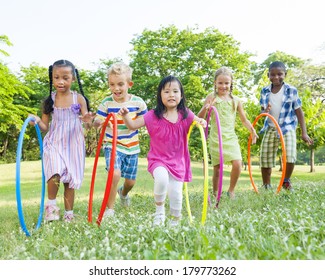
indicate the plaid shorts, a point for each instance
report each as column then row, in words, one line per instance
column 128, row 164
column 270, row 145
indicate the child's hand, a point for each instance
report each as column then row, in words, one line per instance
column 98, row 123
column 209, row 104
column 36, row 120
column 202, row 122
column 88, row 117
column 268, row 108
column 123, row 111
column 254, row 136
column 307, row 139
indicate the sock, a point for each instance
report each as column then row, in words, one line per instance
column 51, row 202
column 160, row 209
column 286, row 180
column 68, row 212
column 123, row 196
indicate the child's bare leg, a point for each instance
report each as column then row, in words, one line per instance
column 112, row 195
column 68, row 197
column 215, row 178
column 266, row 175
column 127, row 186
column 234, row 175
column 53, row 186
column 289, row 169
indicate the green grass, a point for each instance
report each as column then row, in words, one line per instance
column 266, row 226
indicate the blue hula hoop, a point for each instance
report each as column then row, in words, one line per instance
column 18, row 192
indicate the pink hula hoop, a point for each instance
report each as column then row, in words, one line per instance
column 220, row 148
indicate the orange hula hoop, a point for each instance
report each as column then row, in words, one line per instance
column 284, row 155
column 110, row 172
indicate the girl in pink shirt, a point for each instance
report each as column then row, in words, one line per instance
column 168, row 157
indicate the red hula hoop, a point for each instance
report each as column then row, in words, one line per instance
column 284, row 156
column 220, row 148
column 110, row 172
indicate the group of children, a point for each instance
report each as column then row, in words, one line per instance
column 167, row 124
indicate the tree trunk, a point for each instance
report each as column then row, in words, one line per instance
column 5, row 146
column 312, row 160
column 280, row 159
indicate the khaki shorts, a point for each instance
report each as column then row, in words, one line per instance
column 270, row 145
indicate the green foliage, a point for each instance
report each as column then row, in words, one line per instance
column 193, row 57
column 190, row 55
column 13, row 110
column 4, row 39
column 291, row 62
column 314, row 113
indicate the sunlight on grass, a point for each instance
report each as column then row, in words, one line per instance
column 266, row 226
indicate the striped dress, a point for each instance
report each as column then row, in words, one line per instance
column 127, row 140
column 64, row 145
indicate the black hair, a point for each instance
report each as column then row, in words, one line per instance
column 160, row 108
column 278, row 64
column 48, row 103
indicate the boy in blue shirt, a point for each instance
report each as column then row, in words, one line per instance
column 282, row 102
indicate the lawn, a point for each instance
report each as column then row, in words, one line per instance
column 264, row 226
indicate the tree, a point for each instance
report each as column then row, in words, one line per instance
column 193, row 57
column 12, row 111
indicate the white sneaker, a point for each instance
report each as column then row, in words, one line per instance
column 159, row 219
column 109, row 213
column 52, row 213
column 173, row 222
column 125, row 200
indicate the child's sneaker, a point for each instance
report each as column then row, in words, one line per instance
column 173, row 222
column 52, row 213
column 109, row 213
column 68, row 217
column 159, row 219
column 267, row 186
column 125, row 200
column 287, row 186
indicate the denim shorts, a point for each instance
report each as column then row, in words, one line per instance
column 127, row 164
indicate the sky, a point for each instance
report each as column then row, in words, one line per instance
column 84, row 32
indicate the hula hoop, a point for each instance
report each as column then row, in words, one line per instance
column 284, row 156
column 110, row 172
column 206, row 177
column 18, row 192
column 220, row 149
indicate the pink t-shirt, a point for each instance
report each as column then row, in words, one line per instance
column 168, row 145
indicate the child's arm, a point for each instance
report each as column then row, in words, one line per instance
column 206, row 106
column 200, row 121
column 86, row 117
column 131, row 124
column 43, row 122
column 246, row 122
column 301, row 120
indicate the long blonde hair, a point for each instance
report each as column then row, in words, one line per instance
column 226, row 72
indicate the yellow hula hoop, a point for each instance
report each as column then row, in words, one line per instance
column 206, row 176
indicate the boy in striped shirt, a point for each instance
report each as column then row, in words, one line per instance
column 126, row 161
